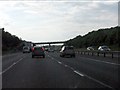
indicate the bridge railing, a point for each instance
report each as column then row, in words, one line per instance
column 111, row 54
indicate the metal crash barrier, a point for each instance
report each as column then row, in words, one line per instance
column 111, row 54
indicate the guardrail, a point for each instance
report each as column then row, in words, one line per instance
column 111, row 54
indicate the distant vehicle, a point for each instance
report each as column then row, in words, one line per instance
column 104, row 48
column 50, row 50
column 46, row 49
column 67, row 50
column 26, row 49
column 90, row 48
column 38, row 51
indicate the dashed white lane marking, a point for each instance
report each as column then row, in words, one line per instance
column 100, row 61
column 59, row 62
column 66, row 65
column 98, row 81
column 10, row 66
column 78, row 73
column 69, row 67
column 52, row 58
column 72, row 68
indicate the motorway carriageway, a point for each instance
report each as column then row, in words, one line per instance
column 22, row 71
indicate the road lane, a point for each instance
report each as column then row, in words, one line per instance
column 12, row 65
column 104, row 59
column 9, row 60
column 100, row 61
column 105, row 73
column 44, row 73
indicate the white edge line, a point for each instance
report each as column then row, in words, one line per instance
column 10, row 66
column 18, row 60
column 101, row 61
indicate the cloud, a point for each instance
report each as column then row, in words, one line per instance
column 58, row 20
column 5, row 20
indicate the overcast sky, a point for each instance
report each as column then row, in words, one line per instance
column 40, row 21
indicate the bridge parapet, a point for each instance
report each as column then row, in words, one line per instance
column 50, row 42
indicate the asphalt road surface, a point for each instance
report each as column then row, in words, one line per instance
column 22, row 71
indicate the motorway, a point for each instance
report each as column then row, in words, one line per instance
column 22, row 71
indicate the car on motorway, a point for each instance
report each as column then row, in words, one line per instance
column 104, row 48
column 26, row 49
column 38, row 51
column 46, row 49
column 90, row 48
column 67, row 50
column 50, row 50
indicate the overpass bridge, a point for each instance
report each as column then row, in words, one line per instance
column 49, row 46
column 57, row 42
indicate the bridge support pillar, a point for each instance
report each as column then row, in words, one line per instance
column 49, row 45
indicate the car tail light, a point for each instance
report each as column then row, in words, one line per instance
column 42, row 48
column 32, row 49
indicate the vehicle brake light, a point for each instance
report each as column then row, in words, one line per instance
column 42, row 48
column 32, row 49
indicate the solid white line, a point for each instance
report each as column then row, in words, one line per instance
column 18, row 60
column 100, row 61
column 10, row 66
column 78, row 73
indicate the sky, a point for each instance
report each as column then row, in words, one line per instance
column 56, row 20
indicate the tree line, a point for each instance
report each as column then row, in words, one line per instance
column 10, row 42
column 107, row 36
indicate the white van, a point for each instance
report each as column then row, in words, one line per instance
column 67, row 51
column 26, row 49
